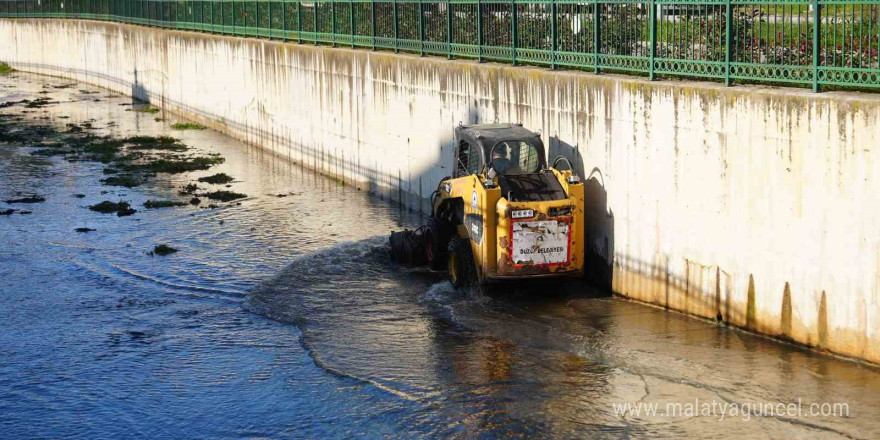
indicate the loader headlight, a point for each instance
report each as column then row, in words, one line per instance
column 522, row 213
column 574, row 179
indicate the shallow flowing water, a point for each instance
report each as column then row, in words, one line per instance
column 282, row 317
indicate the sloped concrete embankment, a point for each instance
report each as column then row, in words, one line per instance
column 756, row 207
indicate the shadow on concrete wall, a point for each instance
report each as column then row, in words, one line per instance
column 137, row 89
column 598, row 217
column 598, row 231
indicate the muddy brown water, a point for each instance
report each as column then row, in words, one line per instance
column 281, row 317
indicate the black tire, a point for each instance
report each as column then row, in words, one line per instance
column 461, row 269
column 437, row 243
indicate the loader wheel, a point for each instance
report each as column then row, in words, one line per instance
column 437, row 236
column 460, row 263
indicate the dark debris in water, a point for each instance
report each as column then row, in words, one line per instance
column 162, row 250
column 154, row 204
column 28, row 199
column 121, row 208
column 85, row 230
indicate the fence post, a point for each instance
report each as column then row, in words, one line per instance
column 333, row 25
column 396, row 36
column 448, row 30
column 597, row 22
column 373, row 19
column 283, row 20
column 554, row 34
column 315, row 22
column 421, row 29
column 513, row 30
column 351, row 21
column 299, row 22
column 817, row 24
column 653, row 16
column 270, row 24
column 480, row 31
column 728, row 45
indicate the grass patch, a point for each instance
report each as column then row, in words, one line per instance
column 123, row 180
column 225, row 196
column 28, row 199
column 148, row 109
column 187, row 126
column 163, row 250
column 5, row 69
column 154, row 204
column 121, row 208
column 217, row 179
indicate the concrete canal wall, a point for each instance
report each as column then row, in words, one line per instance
column 758, row 207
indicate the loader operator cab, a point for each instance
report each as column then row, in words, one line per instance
column 504, row 213
column 498, row 150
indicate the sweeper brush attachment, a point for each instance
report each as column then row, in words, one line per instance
column 409, row 247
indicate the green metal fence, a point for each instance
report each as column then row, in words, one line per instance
column 800, row 42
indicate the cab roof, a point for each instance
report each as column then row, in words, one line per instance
column 489, row 134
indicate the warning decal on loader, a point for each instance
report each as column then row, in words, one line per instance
column 540, row 242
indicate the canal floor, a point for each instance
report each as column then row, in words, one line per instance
column 281, row 316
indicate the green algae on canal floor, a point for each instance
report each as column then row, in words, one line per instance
column 187, row 126
column 121, row 208
column 217, row 179
column 224, row 196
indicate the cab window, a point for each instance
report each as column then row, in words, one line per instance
column 468, row 161
column 515, row 157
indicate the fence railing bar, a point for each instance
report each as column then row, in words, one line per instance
column 812, row 43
